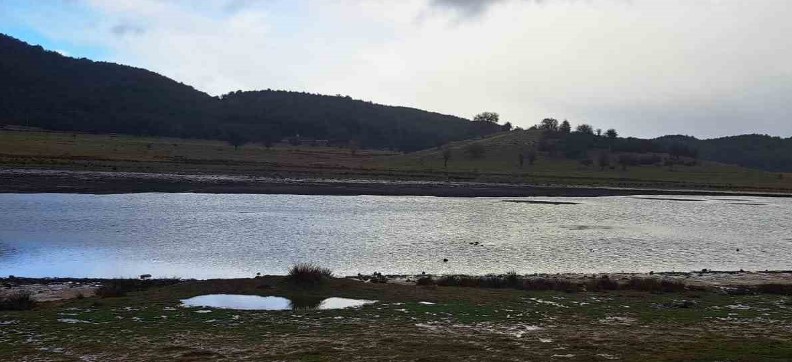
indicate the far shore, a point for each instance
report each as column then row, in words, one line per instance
column 104, row 182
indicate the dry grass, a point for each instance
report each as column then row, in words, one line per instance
column 601, row 284
column 21, row 300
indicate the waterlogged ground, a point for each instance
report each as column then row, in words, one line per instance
column 407, row 323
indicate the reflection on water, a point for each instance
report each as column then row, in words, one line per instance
column 255, row 302
column 217, row 236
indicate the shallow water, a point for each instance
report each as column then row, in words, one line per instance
column 214, row 235
column 256, row 302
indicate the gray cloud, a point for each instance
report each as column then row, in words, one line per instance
column 124, row 29
column 467, row 8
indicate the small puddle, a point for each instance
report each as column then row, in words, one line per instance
column 256, row 302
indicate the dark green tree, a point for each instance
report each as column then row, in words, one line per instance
column 489, row 117
column 585, row 129
column 565, row 127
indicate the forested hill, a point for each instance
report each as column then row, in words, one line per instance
column 753, row 151
column 44, row 89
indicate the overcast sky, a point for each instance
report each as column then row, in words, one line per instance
column 645, row 67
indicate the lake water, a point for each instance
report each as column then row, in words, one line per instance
column 257, row 302
column 212, row 235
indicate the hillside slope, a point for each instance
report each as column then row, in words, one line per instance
column 498, row 155
column 44, row 89
column 755, row 151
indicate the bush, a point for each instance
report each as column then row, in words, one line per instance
column 424, row 281
column 475, row 150
column 775, row 288
column 602, row 284
column 653, row 285
column 112, row 290
column 308, row 274
column 17, row 301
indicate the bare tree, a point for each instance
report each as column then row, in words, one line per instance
column 446, row 156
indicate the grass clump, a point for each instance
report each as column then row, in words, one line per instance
column 17, row 301
column 308, row 274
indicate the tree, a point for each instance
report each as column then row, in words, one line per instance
column 603, row 160
column 446, row 156
column 625, row 160
column 599, row 131
column 475, row 150
column 267, row 141
column 549, row 124
column 585, row 129
column 506, row 127
column 565, row 127
column 611, row 133
column 236, row 139
column 531, row 156
column 490, row 117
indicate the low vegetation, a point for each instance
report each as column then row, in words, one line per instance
column 533, row 283
column 120, row 287
column 17, row 301
column 308, row 274
column 411, row 323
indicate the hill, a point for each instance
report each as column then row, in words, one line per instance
column 536, row 156
column 754, row 151
column 45, row 89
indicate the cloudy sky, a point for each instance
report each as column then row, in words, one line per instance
column 645, row 67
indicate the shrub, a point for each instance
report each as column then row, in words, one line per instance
column 306, row 273
column 17, row 301
column 653, row 285
column 475, row 150
column 775, row 288
column 112, row 290
column 425, row 281
column 602, row 284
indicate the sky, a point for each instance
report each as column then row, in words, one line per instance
column 706, row 68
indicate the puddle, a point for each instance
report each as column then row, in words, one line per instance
column 256, row 302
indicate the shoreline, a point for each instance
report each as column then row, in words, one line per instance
column 60, row 288
column 103, row 182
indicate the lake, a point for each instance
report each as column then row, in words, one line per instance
column 217, row 235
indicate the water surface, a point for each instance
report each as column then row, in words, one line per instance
column 216, row 235
column 256, row 302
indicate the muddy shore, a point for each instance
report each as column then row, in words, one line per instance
column 52, row 289
column 97, row 182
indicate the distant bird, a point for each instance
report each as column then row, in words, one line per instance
column 423, row 273
column 738, row 249
column 445, row 260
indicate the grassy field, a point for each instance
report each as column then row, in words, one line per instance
column 460, row 324
column 499, row 162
